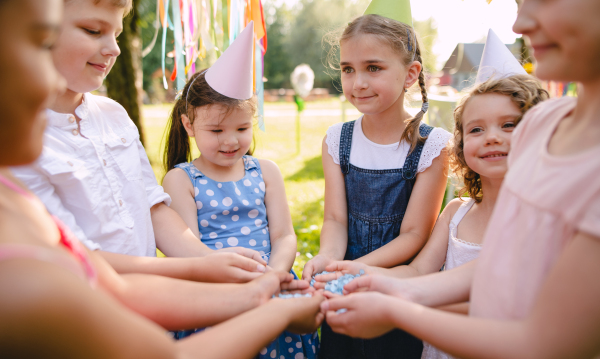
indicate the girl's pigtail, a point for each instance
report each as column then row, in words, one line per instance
column 411, row 132
column 177, row 149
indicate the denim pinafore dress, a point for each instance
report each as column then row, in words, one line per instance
column 377, row 201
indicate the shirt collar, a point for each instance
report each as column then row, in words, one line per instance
column 56, row 119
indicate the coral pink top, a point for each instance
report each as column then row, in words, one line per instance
column 544, row 201
column 82, row 267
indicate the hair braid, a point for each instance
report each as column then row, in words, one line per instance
column 411, row 132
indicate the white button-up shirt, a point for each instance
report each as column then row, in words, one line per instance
column 97, row 178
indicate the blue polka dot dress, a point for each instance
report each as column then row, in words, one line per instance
column 233, row 214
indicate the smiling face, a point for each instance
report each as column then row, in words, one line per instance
column 87, row 47
column 488, row 121
column 28, row 28
column 565, row 37
column 222, row 141
column 373, row 75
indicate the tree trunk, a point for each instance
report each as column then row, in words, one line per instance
column 124, row 82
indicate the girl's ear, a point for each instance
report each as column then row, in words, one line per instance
column 414, row 69
column 187, row 124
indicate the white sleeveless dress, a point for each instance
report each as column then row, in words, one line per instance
column 459, row 252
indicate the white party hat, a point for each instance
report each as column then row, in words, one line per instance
column 231, row 75
column 497, row 60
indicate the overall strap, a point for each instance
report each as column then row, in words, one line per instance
column 346, row 145
column 409, row 171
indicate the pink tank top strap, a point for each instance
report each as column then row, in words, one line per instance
column 8, row 183
column 85, row 269
column 27, row 251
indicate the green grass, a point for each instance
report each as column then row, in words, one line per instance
column 302, row 172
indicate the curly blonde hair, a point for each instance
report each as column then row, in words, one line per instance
column 524, row 91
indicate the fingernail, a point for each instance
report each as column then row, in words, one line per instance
column 260, row 267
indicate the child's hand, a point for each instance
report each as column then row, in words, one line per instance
column 246, row 252
column 223, row 267
column 269, row 284
column 400, row 288
column 366, row 315
column 315, row 265
column 304, row 314
column 297, row 286
column 350, row 267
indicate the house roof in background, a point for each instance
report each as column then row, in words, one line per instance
column 467, row 56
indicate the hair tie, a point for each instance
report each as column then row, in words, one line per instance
column 425, row 107
column 187, row 95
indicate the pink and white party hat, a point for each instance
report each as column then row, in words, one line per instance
column 497, row 60
column 231, row 75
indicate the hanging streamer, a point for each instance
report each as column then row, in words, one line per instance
column 200, row 26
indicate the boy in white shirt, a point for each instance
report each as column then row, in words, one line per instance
column 94, row 173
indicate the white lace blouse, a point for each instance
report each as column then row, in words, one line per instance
column 370, row 155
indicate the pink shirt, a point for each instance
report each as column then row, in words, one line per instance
column 544, row 201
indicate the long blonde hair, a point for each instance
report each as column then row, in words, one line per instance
column 402, row 39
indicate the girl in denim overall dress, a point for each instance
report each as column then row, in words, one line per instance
column 385, row 173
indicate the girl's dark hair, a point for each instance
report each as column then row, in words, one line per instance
column 196, row 93
column 524, row 91
column 402, row 39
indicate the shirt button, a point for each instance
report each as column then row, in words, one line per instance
column 121, row 203
column 123, row 140
column 104, row 162
column 75, row 132
column 71, row 119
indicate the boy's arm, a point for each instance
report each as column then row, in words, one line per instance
column 172, row 234
column 421, row 213
column 215, row 267
column 281, row 229
column 334, row 234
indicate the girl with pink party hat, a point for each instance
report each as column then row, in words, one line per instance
column 227, row 197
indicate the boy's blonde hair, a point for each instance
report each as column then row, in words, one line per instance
column 524, row 91
column 126, row 5
column 402, row 39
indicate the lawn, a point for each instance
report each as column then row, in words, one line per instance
column 302, row 172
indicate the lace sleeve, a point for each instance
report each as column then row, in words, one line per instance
column 436, row 142
column 333, row 141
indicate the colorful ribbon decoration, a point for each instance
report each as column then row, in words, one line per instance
column 200, row 26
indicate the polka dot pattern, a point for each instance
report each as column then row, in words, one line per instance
column 233, row 214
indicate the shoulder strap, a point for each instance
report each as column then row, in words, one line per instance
column 346, row 145
column 409, row 170
column 462, row 211
column 27, row 251
column 190, row 170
